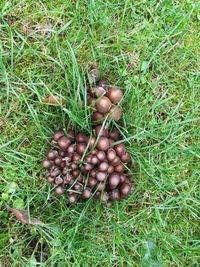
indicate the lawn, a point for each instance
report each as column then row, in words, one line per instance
column 150, row 49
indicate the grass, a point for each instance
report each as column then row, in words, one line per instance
column 150, row 48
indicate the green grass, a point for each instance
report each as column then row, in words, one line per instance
column 150, row 48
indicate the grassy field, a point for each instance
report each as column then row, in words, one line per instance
column 150, row 48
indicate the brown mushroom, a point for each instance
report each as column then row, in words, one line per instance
column 114, row 94
column 103, row 105
column 103, row 144
column 63, row 142
column 114, row 180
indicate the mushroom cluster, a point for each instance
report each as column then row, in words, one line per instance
column 84, row 166
column 105, row 99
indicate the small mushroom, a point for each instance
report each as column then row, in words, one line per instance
column 58, row 180
column 119, row 168
column 78, row 187
column 58, row 135
column 93, row 173
column 103, row 166
column 125, row 189
column 92, row 141
column 92, row 182
column 88, row 158
column 71, row 134
column 71, row 148
column 99, row 91
column 86, row 193
column 103, row 83
column 120, row 149
column 101, row 176
column 94, row 160
column 126, row 157
column 55, row 172
column 63, row 142
column 75, row 173
column 103, row 105
column 89, row 166
column 111, row 154
column 50, row 179
column 110, row 169
column 101, row 131
column 115, row 195
column 62, row 153
column 122, row 178
column 97, row 116
column 59, row 190
column 114, row 180
column 80, row 148
column 76, row 157
column 101, row 155
column 58, row 161
column 46, row 164
column 116, row 161
column 81, row 138
column 114, row 94
column 52, row 154
column 74, row 166
column 114, row 134
column 72, row 198
column 94, row 151
column 115, row 113
column 103, row 144
column 68, row 179
column 100, row 186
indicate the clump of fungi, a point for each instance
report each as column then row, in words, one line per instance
column 91, row 166
column 105, row 99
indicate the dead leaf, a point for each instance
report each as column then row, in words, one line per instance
column 54, row 99
column 23, row 217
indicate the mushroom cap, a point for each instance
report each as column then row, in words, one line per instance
column 101, row 131
column 126, row 157
column 103, row 143
column 52, row 154
column 89, row 166
column 63, row 142
column 103, row 166
column 125, row 189
column 86, row 193
column 81, row 138
column 115, row 195
column 120, row 149
column 46, row 163
column 111, row 154
column 114, row 94
column 94, row 160
column 59, row 190
column 114, row 180
column 72, row 198
column 99, row 91
column 119, row 168
column 103, row 105
column 101, row 176
column 80, row 148
column 115, row 113
column 58, row 135
column 114, row 134
column 101, row 155
column 97, row 116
